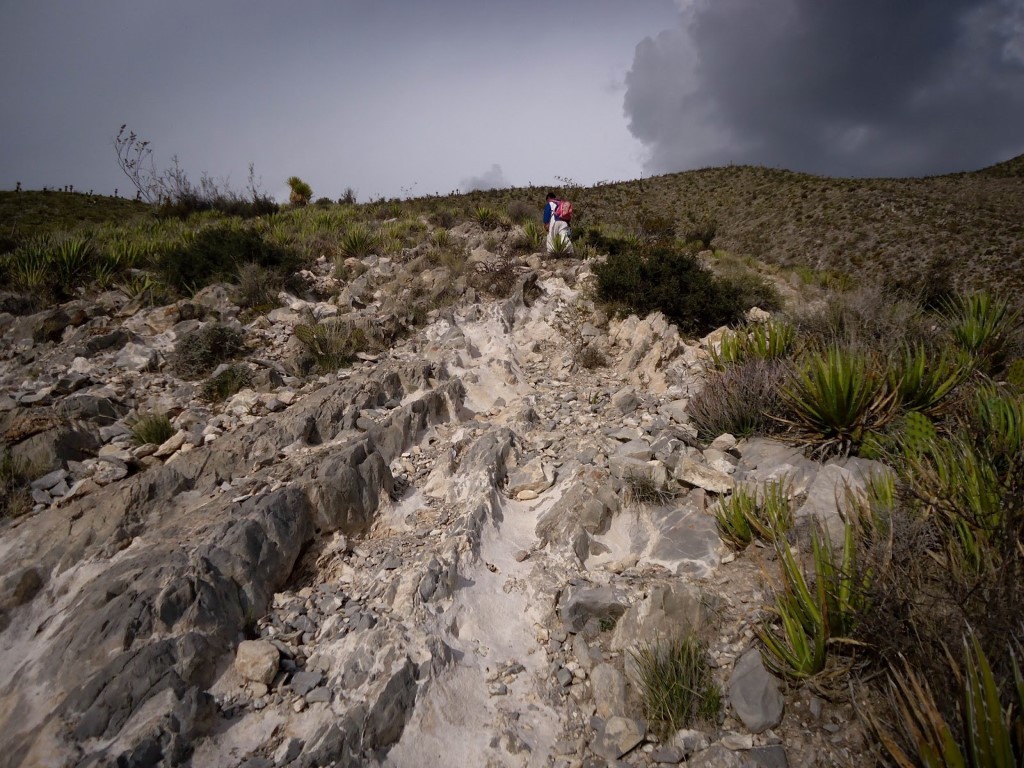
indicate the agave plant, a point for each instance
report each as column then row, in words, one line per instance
column 981, row 325
column 816, row 610
column 765, row 341
column 28, row 268
column 923, row 383
column 838, row 399
column 357, row 242
column 991, row 734
column 486, row 217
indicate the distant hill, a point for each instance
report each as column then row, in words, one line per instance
column 25, row 214
column 881, row 229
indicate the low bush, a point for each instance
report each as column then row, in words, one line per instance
column 214, row 253
column 152, row 429
column 15, row 496
column 333, row 344
column 741, row 400
column 257, row 286
column 667, row 279
column 676, row 686
column 228, row 382
column 199, row 352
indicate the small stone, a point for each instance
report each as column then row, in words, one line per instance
column 258, row 690
column 527, row 495
column 497, row 689
column 289, row 749
column 298, row 705
column 737, row 741
column 522, row 555
column 320, row 695
column 671, row 755
column 257, row 660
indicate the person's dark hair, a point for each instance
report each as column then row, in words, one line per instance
column 552, row 196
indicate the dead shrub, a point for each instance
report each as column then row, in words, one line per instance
column 740, row 400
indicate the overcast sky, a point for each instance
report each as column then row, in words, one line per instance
column 409, row 98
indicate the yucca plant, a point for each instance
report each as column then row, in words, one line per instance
column 533, row 235
column 837, row 399
column 999, row 419
column 28, row 268
column 141, row 287
column 958, row 484
column 561, row 245
column 676, row 686
column 440, row 238
column 981, row 324
column 486, row 217
column 357, row 242
column 923, row 383
column 798, row 648
column 734, row 513
column 748, row 513
column 70, row 259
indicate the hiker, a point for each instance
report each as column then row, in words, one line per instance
column 556, row 220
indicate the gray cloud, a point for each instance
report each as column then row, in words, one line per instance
column 844, row 87
column 492, row 178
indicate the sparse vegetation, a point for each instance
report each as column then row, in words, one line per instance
column 152, row 429
column 15, row 497
column 228, row 382
column 333, row 344
column 676, row 686
column 199, row 352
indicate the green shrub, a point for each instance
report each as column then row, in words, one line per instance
column 152, row 429
column 667, row 279
column 228, row 382
column 214, row 253
column 199, row 352
column 676, row 686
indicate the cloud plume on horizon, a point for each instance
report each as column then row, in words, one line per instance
column 847, row 87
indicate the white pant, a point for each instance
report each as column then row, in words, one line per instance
column 558, row 229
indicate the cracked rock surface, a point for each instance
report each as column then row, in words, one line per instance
column 435, row 557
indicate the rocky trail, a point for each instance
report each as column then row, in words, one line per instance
column 437, row 557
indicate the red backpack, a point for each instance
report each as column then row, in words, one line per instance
column 563, row 209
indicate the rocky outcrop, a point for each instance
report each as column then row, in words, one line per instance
column 445, row 554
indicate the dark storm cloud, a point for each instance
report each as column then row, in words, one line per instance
column 842, row 87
